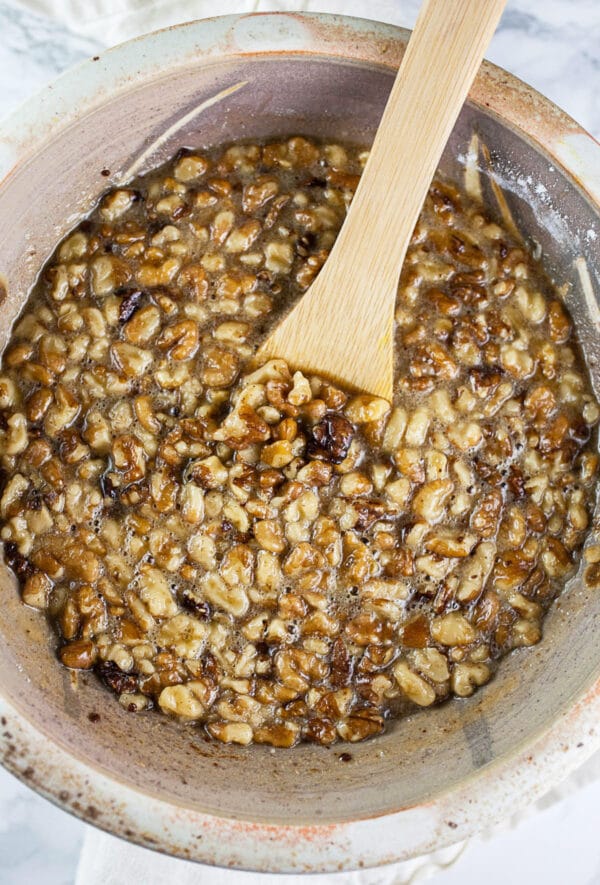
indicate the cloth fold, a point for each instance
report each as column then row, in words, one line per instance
column 112, row 21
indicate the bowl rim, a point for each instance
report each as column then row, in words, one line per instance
column 494, row 791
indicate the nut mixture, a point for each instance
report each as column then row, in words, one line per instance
column 261, row 552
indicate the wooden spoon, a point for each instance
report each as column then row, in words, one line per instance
column 343, row 327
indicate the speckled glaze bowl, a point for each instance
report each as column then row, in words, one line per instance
column 431, row 779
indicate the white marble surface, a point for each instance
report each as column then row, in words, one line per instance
column 555, row 46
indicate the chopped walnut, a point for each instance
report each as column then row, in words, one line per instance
column 252, row 549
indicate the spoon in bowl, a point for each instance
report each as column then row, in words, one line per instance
column 343, row 327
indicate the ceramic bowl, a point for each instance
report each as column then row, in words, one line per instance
column 439, row 775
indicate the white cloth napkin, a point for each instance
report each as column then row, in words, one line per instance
column 112, row 21
column 104, row 859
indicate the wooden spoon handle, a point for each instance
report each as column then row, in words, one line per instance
column 439, row 66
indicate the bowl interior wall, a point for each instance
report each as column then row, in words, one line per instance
column 420, row 756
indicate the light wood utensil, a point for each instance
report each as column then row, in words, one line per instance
column 342, row 328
